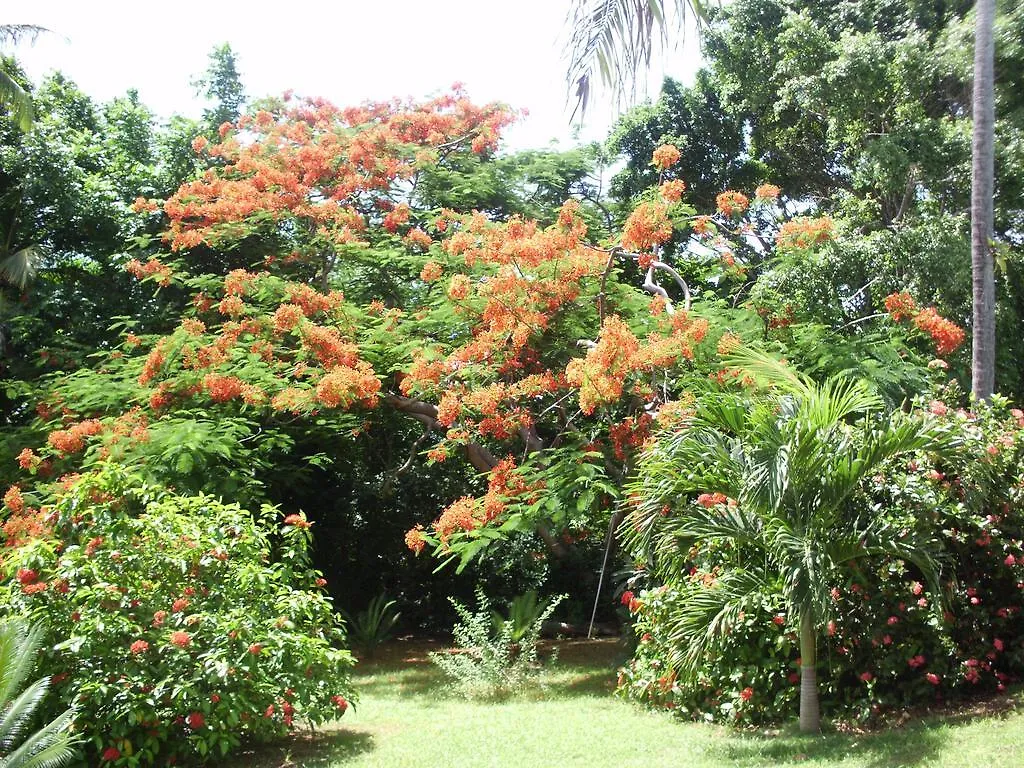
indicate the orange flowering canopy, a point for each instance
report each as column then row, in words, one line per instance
column 325, row 287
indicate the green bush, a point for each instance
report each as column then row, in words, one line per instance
column 178, row 625
column 889, row 643
column 489, row 662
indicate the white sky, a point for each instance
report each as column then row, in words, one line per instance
column 346, row 51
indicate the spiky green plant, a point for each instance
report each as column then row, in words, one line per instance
column 52, row 745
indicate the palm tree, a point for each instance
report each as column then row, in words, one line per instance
column 790, row 462
column 983, row 355
column 615, row 39
column 12, row 95
column 52, row 745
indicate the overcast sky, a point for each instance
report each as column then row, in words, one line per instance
column 347, row 51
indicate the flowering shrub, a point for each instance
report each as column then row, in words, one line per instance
column 175, row 625
column 890, row 642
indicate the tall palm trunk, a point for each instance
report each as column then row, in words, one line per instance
column 983, row 359
column 810, row 713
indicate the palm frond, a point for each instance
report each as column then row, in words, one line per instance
column 20, row 267
column 19, row 644
column 18, row 713
column 16, row 33
column 17, row 100
column 613, row 40
column 52, row 746
column 705, row 613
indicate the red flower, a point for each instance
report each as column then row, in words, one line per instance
column 867, row 677
column 139, row 646
column 27, row 576
column 179, row 605
column 299, row 521
column 255, row 649
column 340, row 702
column 180, row 639
column 747, row 693
column 195, row 720
column 214, row 698
column 110, row 754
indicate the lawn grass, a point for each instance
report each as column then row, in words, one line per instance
column 406, row 718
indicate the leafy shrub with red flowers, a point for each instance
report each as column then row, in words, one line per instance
column 890, row 642
column 180, row 626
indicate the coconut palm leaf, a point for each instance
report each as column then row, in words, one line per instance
column 20, row 267
column 613, row 40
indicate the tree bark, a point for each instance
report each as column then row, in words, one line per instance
column 810, row 714
column 983, row 354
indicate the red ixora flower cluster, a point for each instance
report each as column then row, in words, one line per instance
column 946, row 335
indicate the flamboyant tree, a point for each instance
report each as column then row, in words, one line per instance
column 324, row 291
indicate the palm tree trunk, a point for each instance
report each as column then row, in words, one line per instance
column 810, row 714
column 983, row 356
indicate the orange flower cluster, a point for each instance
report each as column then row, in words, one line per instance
column 647, row 226
column 803, row 233
column 672, row 191
column 901, row 305
column 152, row 268
column 72, row 439
column 312, row 160
column 946, row 335
column 665, row 156
column 310, row 301
column 222, row 388
column 345, row 385
column 629, row 434
column 731, row 203
column 417, row 238
column 767, row 192
column 601, row 375
column 431, row 272
column 414, row 539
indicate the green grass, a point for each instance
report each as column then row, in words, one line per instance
column 406, row 718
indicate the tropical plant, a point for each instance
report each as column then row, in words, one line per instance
column 12, row 95
column 523, row 611
column 616, row 38
column 488, row 660
column 762, row 483
column 368, row 629
column 50, row 746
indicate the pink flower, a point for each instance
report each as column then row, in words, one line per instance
column 139, row 646
column 917, row 587
column 893, row 621
column 917, row 661
column 867, row 677
column 1010, row 561
column 932, row 678
column 997, row 644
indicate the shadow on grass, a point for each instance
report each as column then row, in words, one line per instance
column 317, row 750
column 917, row 744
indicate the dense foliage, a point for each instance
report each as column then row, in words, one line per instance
column 176, row 625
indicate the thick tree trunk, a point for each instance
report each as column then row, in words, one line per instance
column 810, row 715
column 983, row 356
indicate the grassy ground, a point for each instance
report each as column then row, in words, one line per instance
column 406, row 718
